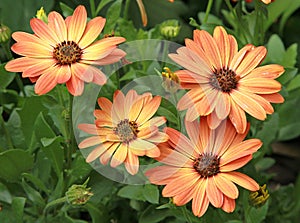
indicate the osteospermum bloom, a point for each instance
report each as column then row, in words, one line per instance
column 125, row 130
column 64, row 51
column 202, row 167
column 224, row 81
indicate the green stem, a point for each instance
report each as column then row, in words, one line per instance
column 126, row 10
column 185, row 214
column 208, row 8
column 7, row 136
column 93, row 10
column 54, row 203
column 6, row 47
column 20, row 84
column 71, row 137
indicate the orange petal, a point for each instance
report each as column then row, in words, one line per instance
column 240, row 150
column 186, row 76
column 140, row 144
column 251, row 60
column 239, row 56
column 187, row 181
column 130, row 98
column 235, row 164
column 200, row 202
column 179, row 142
column 162, row 175
column 190, row 98
column 226, row 186
column 233, row 48
column 155, row 121
column 98, row 151
column 148, row 110
column 82, row 71
column 92, row 31
column 228, row 204
column 214, row 195
column 184, row 197
column 132, row 163
column 147, row 132
column 155, row 152
column 119, row 156
column 105, row 104
column 44, row 32
column 273, row 98
column 38, row 68
column 58, row 25
column 222, row 105
column 32, row 50
column 117, row 112
column 211, row 49
column 64, row 74
column 213, row 120
column 75, row 85
column 158, row 138
column 221, row 37
column 242, row 180
column 91, row 141
column 21, row 64
column 111, row 148
column 101, row 48
column 113, row 57
column 259, row 85
column 77, row 24
column 205, row 132
column 88, row 128
column 30, row 38
column 193, row 131
column 271, row 71
column 238, row 117
column 248, row 104
column 46, row 82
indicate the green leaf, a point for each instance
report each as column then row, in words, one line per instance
column 211, row 19
column 17, row 14
column 289, row 132
column 294, row 84
column 256, row 215
column 36, row 182
column 102, row 4
column 5, row 77
column 14, row 127
column 152, row 215
column 112, row 16
column 33, row 195
column 5, row 195
column 289, row 58
column 132, row 192
column 264, row 163
column 151, row 193
column 97, row 214
column 275, row 49
column 17, row 205
column 66, row 10
column 13, row 163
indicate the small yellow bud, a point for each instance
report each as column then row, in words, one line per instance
column 5, row 33
column 260, row 197
column 170, row 80
column 40, row 14
column 170, row 28
column 79, row 194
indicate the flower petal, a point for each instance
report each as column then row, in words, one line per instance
column 242, row 180
column 21, row 64
column 77, row 24
column 214, row 195
column 200, row 201
column 92, row 31
column 226, row 186
column 75, row 85
column 58, row 25
column 228, row 204
column 91, row 141
column 44, row 32
column 46, row 82
column 119, row 156
column 132, row 163
column 238, row 117
column 88, row 128
column 221, row 37
column 39, row 68
column 33, row 49
column 98, row 151
column 271, row 71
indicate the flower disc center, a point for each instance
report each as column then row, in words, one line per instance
column 224, row 80
column 67, row 52
column 207, row 165
column 126, row 130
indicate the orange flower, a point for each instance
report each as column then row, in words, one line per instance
column 202, row 167
column 225, row 81
column 63, row 51
column 125, row 130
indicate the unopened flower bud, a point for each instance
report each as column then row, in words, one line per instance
column 260, row 197
column 170, row 28
column 79, row 194
column 5, row 33
column 40, row 14
column 170, row 80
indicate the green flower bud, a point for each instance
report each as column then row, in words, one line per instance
column 260, row 197
column 79, row 194
column 40, row 14
column 5, row 33
column 170, row 28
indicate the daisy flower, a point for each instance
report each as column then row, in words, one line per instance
column 64, row 51
column 224, row 81
column 202, row 167
column 124, row 130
